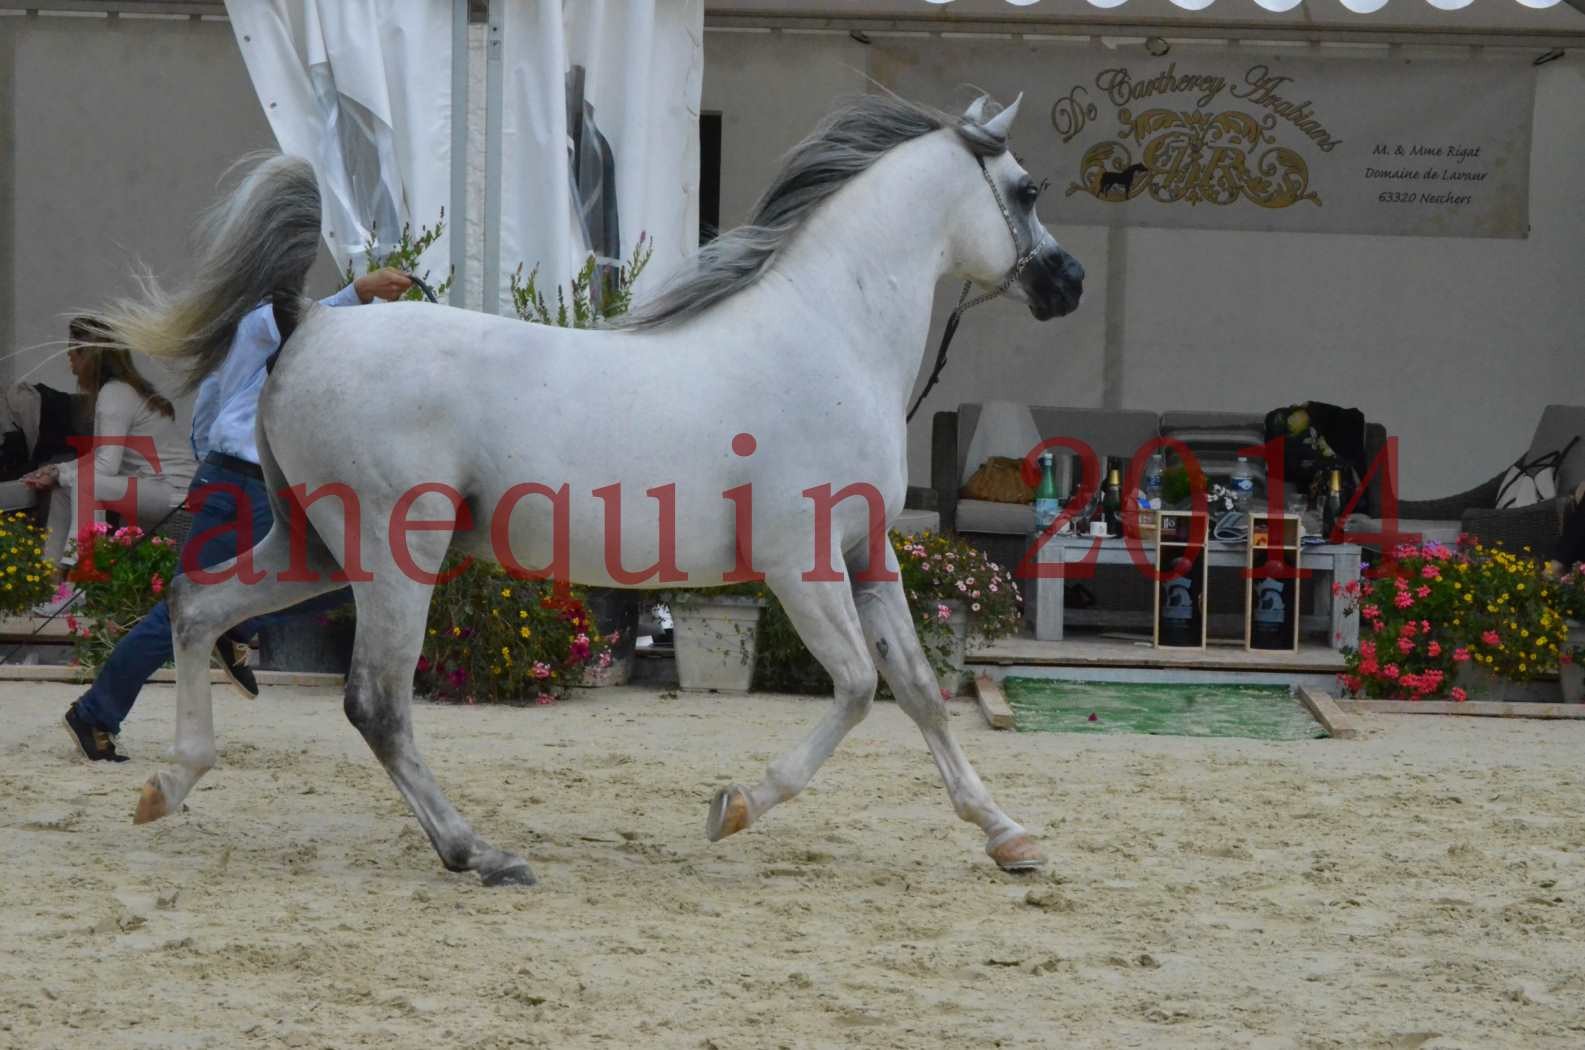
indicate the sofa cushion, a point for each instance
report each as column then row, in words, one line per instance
column 995, row 428
column 1006, row 519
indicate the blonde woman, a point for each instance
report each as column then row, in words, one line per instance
column 123, row 404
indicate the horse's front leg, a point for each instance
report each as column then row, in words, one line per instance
column 889, row 629
column 826, row 620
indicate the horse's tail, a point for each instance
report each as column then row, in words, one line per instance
column 255, row 244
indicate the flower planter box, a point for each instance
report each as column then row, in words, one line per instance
column 715, row 640
column 1571, row 674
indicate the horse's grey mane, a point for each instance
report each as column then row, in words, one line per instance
column 846, row 144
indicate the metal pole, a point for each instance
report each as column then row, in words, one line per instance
column 493, row 89
column 459, row 153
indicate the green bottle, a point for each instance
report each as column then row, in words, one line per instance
column 1047, row 503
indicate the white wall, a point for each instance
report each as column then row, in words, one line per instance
column 119, row 133
column 1454, row 344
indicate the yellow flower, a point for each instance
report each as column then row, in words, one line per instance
column 432, row 632
column 524, row 632
column 456, row 632
column 506, row 592
column 522, row 614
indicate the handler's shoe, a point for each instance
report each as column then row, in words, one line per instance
column 95, row 744
column 231, row 656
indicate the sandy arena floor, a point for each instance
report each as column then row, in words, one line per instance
column 1421, row 888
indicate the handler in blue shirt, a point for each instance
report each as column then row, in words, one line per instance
column 224, row 445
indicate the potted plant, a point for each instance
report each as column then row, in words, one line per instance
column 493, row 638
column 1571, row 655
column 122, row 575
column 715, row 633
column 1452, row 622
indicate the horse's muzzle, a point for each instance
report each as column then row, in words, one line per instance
column 1053, row 282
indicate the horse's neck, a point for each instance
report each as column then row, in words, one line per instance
column 870, row 259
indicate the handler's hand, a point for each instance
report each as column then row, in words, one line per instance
column 42, row 479
column 381, row 284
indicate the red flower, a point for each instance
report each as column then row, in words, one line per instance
column 1434, row 648
column 1491, row 638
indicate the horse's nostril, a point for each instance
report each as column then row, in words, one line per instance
column 1075, row 270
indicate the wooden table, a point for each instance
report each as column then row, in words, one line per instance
column 1330, row 563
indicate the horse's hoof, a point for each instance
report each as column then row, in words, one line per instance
column 519, row 874
column 728, row 813
column 151, row 804
column 1019, row 853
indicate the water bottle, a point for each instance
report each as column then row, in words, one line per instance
column 1047, row 503
column 1243, row 486
column 1155, row 467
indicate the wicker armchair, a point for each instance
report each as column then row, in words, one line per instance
column 1536, row 527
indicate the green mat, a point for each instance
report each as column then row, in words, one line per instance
column 1262, row 712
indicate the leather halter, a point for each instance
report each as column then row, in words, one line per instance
column 964, row 302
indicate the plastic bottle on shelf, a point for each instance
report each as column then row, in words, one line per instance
column 1243, row 486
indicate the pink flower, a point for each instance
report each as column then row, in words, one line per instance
column 1337, row 588
column 544, row 698
column 1491, row 638
column 423, row 663
column 605, row 659
column 156, row 584
column 541, row 669
column 1370, row 612
column 1422, row 591
column 943, row 613
column 1405, row 646
column 946, row 694
column 1391, row 671
column 975, row 607
column 1369, row 666
column 1367, row 649
column 1430, row 572
column 1459, row 695
column 71, row 624
column 1408, row 629
column 1403, row 599
column 1434, row 648
column 1461, row 655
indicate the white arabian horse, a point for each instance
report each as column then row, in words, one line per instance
column 803, row 330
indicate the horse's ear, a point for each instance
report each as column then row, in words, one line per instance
column 975, row 114
column 1002, row 123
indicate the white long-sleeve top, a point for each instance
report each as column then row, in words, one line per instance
column 120, row 411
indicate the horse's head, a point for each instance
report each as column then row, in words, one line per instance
column 1001, row 239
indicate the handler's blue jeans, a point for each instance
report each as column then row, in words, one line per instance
column 148, row 646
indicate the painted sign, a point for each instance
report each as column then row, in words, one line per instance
column 1234, row 139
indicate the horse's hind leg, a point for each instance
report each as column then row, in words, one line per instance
column 392, row 610
column 200, row 613
column 826, row 620
column 889, row 628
